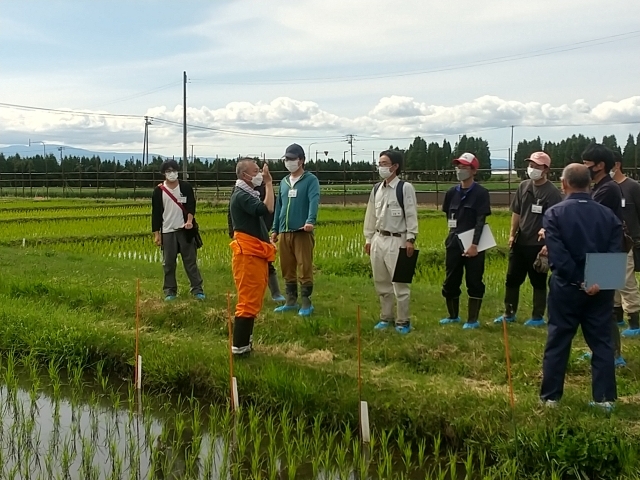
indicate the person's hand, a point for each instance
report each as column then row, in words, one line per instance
column 512, row 239
column 274, row 238
column 410, row 249
column 592, row 290
column 544, row 252
column 541, row 234
column 308, row 227
column 188, row 225
column 472, row 251
column 367, row 249
column 266, row 174
column 157, row 239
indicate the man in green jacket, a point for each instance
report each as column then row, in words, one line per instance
column 295, row 218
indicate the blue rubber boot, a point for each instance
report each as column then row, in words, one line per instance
column 453, row 307
column 631, row 332
column 471, row 325
column 505, row 318
column 307, row 308
column 474, row 314
column 169, row 298
column 291, row 289
column 199, row 296
column 535, row 322
column 447, row 321
column 404, row 328
column 383, row 324
column 620, row 362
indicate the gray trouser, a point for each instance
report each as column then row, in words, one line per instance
column 172, row 244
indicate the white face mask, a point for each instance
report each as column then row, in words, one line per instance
column 257, row 180
column 171, row 176
column 534, row 173
column 291, row 165
column 612, row 173
column 384, row 172
column 463, row 174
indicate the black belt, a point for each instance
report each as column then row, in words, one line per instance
column 384, row 233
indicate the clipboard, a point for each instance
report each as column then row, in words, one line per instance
column 405, row 266
column 607, row 270
column 486, row 242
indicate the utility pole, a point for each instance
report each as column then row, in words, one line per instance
column 510, row 163
column 184, row 127
column 350, row 141
column 64, row 184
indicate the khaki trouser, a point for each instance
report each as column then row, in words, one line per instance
column 629, row 297
column 384, row 256
column 296, row 257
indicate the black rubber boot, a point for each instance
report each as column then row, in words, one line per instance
column 242, row 335
column 274, row 287
column 511, row 300
column 539, row 304
column 618, row 314
column 291, row 290
column 453, row 307
column 634, row 321
column 474, row 309
column 305, row 292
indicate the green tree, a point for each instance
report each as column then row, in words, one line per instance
column 629, row 153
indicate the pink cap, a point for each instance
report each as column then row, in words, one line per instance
column 540, row 158
column 467, row 159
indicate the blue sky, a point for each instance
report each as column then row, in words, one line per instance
column 254, row 68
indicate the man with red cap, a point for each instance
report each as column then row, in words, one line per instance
column 466, row 207
column 532, row 199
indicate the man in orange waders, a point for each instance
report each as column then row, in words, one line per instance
column 252, row 250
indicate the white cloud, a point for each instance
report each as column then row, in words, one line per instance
column 391, row 117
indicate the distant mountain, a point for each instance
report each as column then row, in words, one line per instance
column 36, row 149
column 499, row 164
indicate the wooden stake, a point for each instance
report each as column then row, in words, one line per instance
column 508, row 354
column 138, row 365
column 365, row 433
column 233, row 384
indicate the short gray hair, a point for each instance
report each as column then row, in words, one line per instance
column 577, row 176
column 242, row 165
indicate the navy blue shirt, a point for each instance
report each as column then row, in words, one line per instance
column 607, row 192
column 577, row 226
column 465, row 206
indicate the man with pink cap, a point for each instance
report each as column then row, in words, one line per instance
column 532, row 199
column 466, row 206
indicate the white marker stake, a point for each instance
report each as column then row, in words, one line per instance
column 235, row 402
column 364, row 422
column 24, row 242
column 139, row 373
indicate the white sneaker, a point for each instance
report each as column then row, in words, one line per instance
column 549, row 403
column 606, row 406
column 241, row 350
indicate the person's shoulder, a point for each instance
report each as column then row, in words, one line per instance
column 184, row 184
column 407, row 185
column 312, row 177
column 482, row 189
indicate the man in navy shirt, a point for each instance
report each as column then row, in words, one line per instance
column 600, row 160
column 466, row 207
column 573, row 228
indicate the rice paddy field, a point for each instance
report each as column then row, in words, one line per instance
column 438, row 398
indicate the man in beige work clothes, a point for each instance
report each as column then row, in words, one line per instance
column 391, row 223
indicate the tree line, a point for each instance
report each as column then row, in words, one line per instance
column 422, row 160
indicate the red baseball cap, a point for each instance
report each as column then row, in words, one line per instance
column 467, row 159
column 540, row 158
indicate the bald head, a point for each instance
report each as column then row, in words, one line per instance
column 576, row 178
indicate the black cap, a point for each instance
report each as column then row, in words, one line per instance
column 294, row 151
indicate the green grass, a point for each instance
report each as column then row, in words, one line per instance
column 76, row 299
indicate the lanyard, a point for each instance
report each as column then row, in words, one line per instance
column 463, row 196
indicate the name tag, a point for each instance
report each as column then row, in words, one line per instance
column 452, row 223
column 536, row 208
column 396, row 212
column 293, row 193
column 624, row 203
column 182, row 199
column 378, row 204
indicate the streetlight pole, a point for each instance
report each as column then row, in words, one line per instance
column 344, row 178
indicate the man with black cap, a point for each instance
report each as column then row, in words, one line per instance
column 173, row 208
column 599, row 160
column 532, row 199
column 294, row 223
column 627, row 300
column 574, row 227
column 466, row 207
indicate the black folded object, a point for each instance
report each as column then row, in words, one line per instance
column 405, row 267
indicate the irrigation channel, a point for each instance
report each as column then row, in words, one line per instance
column 63, row 424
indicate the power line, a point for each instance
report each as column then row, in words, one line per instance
column 477, row 63
column 139, row 94
column 67, row 112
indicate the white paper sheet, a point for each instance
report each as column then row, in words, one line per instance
column 486, row 239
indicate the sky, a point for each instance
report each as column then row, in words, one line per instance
column 264, row 74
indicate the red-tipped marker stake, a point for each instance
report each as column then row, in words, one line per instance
column 233, row 383
column 365, row 433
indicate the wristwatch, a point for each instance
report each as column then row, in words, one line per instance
column 411, row 240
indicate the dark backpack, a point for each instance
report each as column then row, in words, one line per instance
column 399, row 193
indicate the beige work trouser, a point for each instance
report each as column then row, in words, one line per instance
column 384, row 256
column 628, row 298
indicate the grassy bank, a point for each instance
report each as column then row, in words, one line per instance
column 438, row 380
